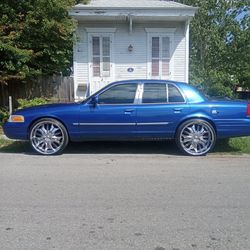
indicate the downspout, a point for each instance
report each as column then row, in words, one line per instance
column 187, row 50
column 130, row 19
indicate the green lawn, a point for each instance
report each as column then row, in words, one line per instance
column 239, row 145
column 8, row 146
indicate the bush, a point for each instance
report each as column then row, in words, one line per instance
column 22, row 103
column 25, row 103
column 4, row 115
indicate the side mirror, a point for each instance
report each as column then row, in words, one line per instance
column 93, row 101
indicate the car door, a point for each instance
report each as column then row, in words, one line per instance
column 113, row 115
column 162, row 107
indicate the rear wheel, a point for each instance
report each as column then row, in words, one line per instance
column 48, row 136
column 195, row 137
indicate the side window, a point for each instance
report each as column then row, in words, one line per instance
column 119, row 94
column 154, row 93
column 174, row 94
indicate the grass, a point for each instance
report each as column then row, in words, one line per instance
column 9, row 146
column 239, row 145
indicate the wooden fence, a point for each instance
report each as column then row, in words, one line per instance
column 58, row 88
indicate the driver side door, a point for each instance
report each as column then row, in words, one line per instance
column 112, row 116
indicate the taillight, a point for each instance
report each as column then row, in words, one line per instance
column 248, row 109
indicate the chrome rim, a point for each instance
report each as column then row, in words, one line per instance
column 197, row 138
column 47, row 137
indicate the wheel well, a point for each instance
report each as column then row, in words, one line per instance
column 44, row 117
column 200, row 118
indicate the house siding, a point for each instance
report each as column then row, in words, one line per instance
column 122, row 58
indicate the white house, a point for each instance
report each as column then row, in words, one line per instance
column 130, row 39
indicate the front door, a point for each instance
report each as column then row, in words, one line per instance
column 114, row 114
column 101, row 68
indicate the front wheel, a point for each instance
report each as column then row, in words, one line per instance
column 48, row 136
column 195, row 137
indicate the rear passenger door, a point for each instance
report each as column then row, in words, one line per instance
column 161, row 107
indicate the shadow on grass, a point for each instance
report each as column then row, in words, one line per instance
column 101, row 147
column 116, row 147
column 223, row 146
column 8, row 146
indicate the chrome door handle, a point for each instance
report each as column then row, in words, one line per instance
column 178, row 110
column 128, row 111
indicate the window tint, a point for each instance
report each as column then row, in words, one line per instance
column 174, row 94
column 154, row 93
column 119, row 94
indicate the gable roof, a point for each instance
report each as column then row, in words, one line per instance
column 154, row 10
column 135, row 4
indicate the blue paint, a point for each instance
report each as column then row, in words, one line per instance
column 133, row 121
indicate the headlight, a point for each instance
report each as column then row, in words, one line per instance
column 16, row 118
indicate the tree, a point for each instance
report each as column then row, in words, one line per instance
column 36, row 37
column 220, row 45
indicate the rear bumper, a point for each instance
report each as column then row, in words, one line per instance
column 16, row 131
column 232, row 128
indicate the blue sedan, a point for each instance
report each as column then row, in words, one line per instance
column 133, row 110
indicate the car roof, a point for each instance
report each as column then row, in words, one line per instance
column 185, row 87
column 135, row 81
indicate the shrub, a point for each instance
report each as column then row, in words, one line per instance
column 4, row 115
column 25, row 103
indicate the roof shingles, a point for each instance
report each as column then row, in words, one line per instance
column 134, row 4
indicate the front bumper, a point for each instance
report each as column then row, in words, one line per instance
column 18, row 131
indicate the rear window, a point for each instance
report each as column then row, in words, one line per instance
column 174, row 94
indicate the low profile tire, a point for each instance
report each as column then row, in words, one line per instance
column 48, row 136
column 195, row 137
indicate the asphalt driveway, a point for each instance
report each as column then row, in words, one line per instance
column 124, row 198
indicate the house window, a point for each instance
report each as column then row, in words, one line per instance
column 101, row 56
column 160, row 56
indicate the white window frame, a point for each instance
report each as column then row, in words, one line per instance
column 160, row 32
column 90, row 52
column 98, row 82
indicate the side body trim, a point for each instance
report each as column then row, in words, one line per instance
column 121, row 124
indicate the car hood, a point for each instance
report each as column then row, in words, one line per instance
column 46, row 107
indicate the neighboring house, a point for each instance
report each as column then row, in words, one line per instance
column 130, row 39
